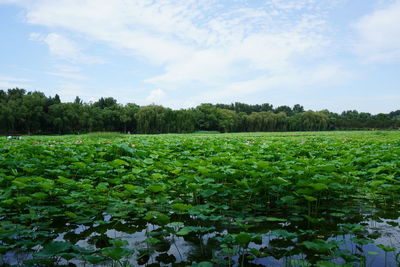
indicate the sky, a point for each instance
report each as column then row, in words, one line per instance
column 323, row 54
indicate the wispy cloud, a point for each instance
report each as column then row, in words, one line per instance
column 184, row 52
column 69, row 90
column 8, row 82
column 68, row 72
column 68, row 75
column 379, row 34
column 292, row 81
column 216, row 46
column 175, row 34
column 64, row 48
column 155, row 96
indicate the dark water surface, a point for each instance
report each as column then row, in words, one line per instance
column 356, row 237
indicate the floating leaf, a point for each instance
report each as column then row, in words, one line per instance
column 184, row 231
column 332, row 264
column 116, row 253
column 93, row 258
column 318, row 186
column 119, row 242
column 70, row 214
column 148, row 161
column 243, row 238
column 274, row 219
column 181, row 207
column 386, row 248
column 155, row 188
column 119, row 162
column 319, row 245
column 310, row 198
column 152, row 240
column 54, row 248
column 202, row 264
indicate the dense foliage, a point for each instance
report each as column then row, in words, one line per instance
column 293, row 200
column 35, row 113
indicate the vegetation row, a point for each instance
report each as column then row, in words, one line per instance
column 34, row 113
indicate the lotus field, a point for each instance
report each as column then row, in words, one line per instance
column 259, row 199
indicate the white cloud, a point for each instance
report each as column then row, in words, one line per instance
column 267, row 53
column 292, row 81
column 379, row 35
column 8, row 82
column 67, row 71
column 198, row 44
column 70, row 86
column 67, row 68
column 68, row 75
column 155, row 95
column 64, row 48
column 69, row 90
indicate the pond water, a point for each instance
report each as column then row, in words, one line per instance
column 351, row 237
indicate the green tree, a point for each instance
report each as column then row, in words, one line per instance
column 314, row 121
column 153, row 119
column 227, row 120
column 207, row 117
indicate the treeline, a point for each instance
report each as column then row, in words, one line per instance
column 24, row 112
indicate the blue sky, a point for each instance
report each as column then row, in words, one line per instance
column 334, row 54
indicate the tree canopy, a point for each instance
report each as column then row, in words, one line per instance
column 25, row 112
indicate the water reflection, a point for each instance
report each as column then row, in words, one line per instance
column 349, row 238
